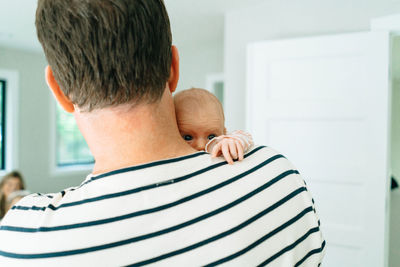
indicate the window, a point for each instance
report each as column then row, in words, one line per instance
column 9, row 90
column 2, row 123
column 71, row 147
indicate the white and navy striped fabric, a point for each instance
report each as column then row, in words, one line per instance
column 187, row 211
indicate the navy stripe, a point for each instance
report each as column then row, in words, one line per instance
column 144, row 166
column 125, row 193
column 174, row 228
column 212, row 239
column 143, row 212
column 157, row 163
column 36, row 208
column 152, row 164
column 262, row 239
column 290, row 247
column 135, row 168
column 41, row 195
column 312, row 252
column 132, row 191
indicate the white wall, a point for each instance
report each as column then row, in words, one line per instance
column 197, row 60
column 34, row 122
column 277, row 19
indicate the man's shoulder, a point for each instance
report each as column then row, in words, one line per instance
column 266, row 163
column 260, row 150
column 263, row 189
column 267, row 155
column 29, row 210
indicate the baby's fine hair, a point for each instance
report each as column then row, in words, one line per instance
column 202, row 97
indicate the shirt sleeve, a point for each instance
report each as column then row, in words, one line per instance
column 243, row 137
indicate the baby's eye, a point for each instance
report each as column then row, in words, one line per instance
column 211, row 136
column 187, row 137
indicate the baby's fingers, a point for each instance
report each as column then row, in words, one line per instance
column 240, row 150
column 232, row 148
column 216, row 151
column 227, row 154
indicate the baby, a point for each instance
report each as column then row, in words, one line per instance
column 201, row 122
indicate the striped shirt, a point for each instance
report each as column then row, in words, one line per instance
column 186, row 211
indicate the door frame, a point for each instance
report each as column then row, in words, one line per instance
column 391, row 25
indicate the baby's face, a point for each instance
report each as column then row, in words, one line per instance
column 199, row 124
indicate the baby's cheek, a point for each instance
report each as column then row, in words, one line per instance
column 188, row 141
column 191, row 144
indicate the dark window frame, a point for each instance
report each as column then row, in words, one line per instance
column 4, row 124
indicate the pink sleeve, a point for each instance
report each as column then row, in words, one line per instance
column 243, row 137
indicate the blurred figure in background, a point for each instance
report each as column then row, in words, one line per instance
column 11, row 182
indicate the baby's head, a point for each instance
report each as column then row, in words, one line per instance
column 200, row 116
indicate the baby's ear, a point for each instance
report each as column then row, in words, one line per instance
column 224, row 130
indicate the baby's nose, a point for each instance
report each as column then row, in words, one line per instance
column 200, row 145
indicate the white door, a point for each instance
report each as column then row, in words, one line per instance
column 323, row 102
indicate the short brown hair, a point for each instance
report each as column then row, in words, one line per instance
column 106, row 52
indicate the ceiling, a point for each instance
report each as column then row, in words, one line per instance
column 192, row 21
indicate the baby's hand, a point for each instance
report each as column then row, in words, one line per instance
column 229, row 147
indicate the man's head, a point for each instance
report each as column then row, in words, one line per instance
column 200, row 116
column 105, row 53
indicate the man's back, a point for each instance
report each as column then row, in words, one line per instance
column 184, row 211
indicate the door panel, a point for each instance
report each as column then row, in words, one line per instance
column 324, row 102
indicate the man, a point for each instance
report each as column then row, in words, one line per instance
column 151, row 198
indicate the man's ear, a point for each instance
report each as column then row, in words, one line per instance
column 174, row 75
column 61, row 98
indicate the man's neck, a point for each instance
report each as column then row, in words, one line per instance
column 123, row 136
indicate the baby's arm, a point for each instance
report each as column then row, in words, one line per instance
column 231, row 146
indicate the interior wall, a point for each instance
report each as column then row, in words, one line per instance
column 394, row 259
column 197, row 60
column 276, row 19
column 34, row 122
